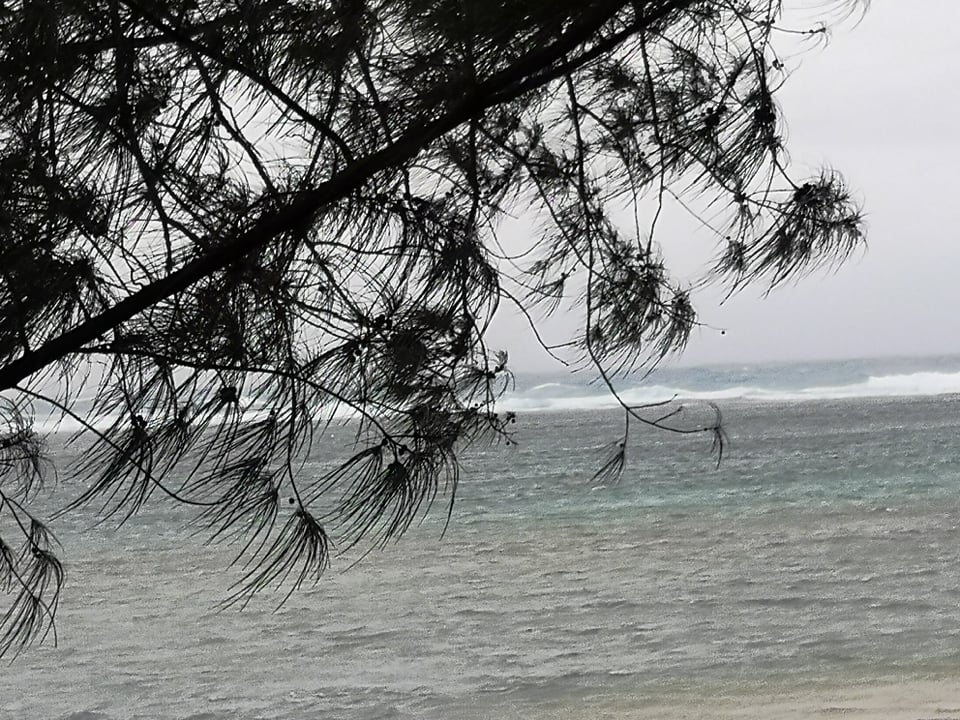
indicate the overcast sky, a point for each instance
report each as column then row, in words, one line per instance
column 881, row 104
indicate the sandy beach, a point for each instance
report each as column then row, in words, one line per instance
column 888, row 699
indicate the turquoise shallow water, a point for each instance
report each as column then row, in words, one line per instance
column 825, row 547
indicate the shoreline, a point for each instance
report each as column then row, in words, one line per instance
column 889, row 698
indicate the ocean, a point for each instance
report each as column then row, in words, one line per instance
column 822, row 553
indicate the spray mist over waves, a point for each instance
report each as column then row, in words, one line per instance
column 560, row 396
column 795, row 382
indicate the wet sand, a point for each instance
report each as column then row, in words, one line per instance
column 890, row 700
column 887, row 699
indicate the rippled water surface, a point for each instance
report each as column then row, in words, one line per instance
column 827, row 545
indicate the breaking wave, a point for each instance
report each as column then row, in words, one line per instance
column 758, row 383
column 559, row 396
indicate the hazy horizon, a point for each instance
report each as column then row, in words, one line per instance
column 682, row 362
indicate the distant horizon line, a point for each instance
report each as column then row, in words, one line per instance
column 679, row 364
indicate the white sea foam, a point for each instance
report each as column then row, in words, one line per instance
column 548, row 396
column 554, row 396
column 58, row 422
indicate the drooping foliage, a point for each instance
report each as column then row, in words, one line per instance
column 224, row 223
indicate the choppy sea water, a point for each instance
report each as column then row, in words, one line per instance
column 825, row 547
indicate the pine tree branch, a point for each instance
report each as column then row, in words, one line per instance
column 301, row 210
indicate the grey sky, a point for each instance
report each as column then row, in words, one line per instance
column 880, row 104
